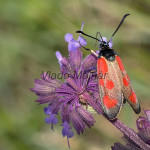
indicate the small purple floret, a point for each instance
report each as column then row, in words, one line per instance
column 59, row 57
column 82, row 41
column 73, row 45
column 66, row 131
column 47, row 111
column 51, row 119
column 110, row 43
column 68, row 37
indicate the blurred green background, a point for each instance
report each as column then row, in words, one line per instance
column 30, row 33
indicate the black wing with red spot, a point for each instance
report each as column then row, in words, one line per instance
column 109, row 87
column 127, row 89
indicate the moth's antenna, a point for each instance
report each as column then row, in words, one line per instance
column 100, row 36
column 119, row 26
column 87, row 35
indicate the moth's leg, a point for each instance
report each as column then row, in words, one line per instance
column 92, row 51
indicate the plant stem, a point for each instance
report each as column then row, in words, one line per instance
column 131, row 134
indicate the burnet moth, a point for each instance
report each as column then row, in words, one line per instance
column 115, row 89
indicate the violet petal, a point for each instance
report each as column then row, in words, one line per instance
column 110, row 43
column 66, row 131
column 59, row 57
column 82, row 41
column 47, row 111
column 73, row 45
column 53, row 119
column 48, row 120
column 68, row 37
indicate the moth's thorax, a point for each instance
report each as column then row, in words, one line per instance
column 108, row 53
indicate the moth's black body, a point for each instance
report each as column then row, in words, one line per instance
column 107, row 52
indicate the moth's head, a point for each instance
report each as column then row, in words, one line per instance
column 104, row 44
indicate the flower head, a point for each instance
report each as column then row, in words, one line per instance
column 73, row 96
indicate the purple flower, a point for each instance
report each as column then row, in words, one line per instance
column 59, row 57
column 51, row 119
column 110, row 43
column 78, row 91
column 143, row 125
column 66, row 130
column 73, row 44
column 75, row 95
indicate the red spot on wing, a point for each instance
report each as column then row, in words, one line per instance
column 132, row 98
column 120, row 63
column 101, row 82
column 102, row 66
column 109, row 84
column 109, row 103
column 125, row 81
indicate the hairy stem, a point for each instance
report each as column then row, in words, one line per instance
column 131, row 134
